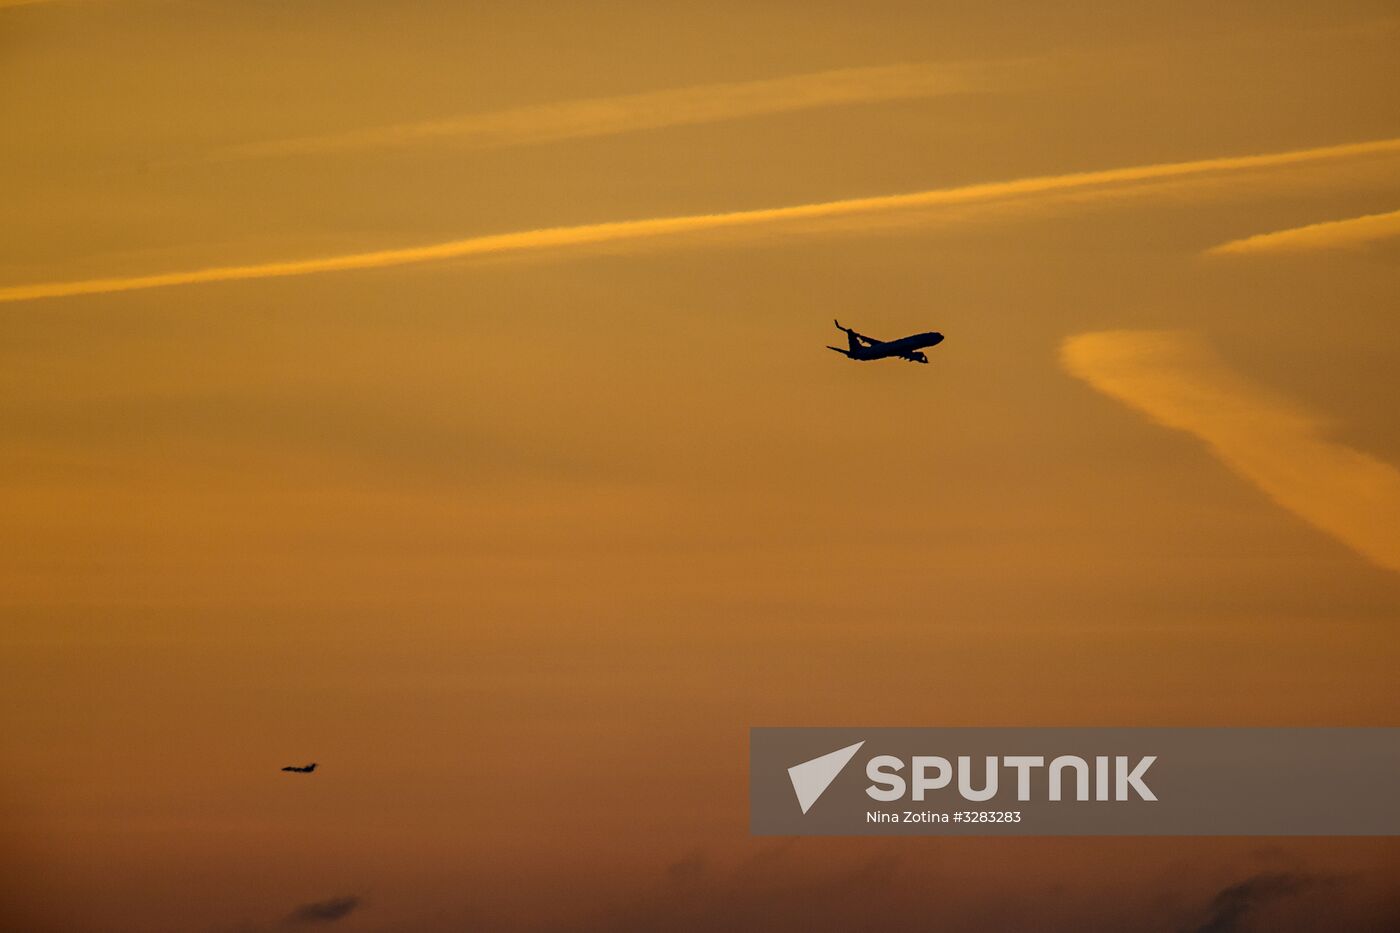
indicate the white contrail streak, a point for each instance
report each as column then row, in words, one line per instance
column 1334, row 234
column 689, row 106
column 556, row 237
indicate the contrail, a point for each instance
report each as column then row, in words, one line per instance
column 608, row 116
column 1176, row 380
column 1334, row 234
column 555, row 237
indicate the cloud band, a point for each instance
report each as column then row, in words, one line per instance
column 560, row 237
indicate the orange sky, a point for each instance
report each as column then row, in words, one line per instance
column 519, row 537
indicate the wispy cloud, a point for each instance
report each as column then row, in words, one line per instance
column 1178, row 381
column 1106, row 181
column 1334, row 234
column 337, row 908
column 608, row 116
column 1233, row 906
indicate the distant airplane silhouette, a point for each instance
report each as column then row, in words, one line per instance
column 306, row 770
column 905, row 348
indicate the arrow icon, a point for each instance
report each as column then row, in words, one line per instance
column 811, row 778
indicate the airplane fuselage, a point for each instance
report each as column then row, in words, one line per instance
column 904, row 347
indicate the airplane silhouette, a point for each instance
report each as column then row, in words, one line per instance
column 306, row 770
column 906, row 348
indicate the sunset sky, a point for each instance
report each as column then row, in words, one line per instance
column 436, row 391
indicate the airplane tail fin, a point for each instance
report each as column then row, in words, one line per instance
column 852, row 338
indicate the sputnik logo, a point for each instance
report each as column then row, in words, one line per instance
column 811, row 778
